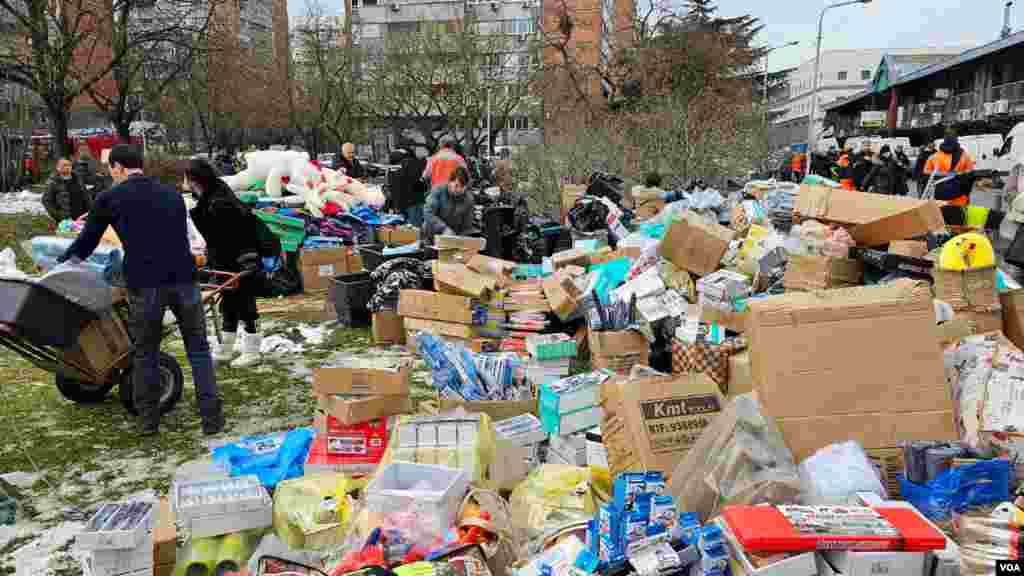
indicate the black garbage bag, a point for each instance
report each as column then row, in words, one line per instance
column 605, row 185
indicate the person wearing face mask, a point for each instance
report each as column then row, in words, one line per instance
column 449, row 208
column 160, row 272
column 232, row 245
column 881, row 178
column 66, row 196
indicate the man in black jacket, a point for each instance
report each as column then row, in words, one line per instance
column 349, row 163
column 159, row 270
column 65, row 196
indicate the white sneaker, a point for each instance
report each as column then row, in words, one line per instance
column 226, row 351
column 250, row 351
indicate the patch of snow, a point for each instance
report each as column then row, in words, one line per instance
column 21, row 480
column 314, row 335
column 23, row 202
column 36, row 557
column 279, row 345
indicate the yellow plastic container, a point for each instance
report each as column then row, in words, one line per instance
column 977, row 216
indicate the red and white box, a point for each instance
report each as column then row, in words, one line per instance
column 352, row 449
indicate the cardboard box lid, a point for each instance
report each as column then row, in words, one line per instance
column 838, row 205
column 794, row 308
column 324, row 256
column 617, row 343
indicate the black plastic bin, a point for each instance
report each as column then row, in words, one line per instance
column 350, row 294
column 373, row 255
column 41, row 315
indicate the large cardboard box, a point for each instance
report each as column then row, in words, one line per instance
column 618, row 350
column 387, row 328
column 963, row 289
column 165, row 544
column 398, row 235
column 570, row 194
column 101, row 344
column 355, row 410
column 436, row 306
column 650, row 423
column 362, row 381
column 438, row 328
column 910, row 223
column 841, row 207
column 571, row 257
column 909, row 248
column 319, row 266
column 1013, row 316
column 820, row 272
column 453, row 278
column 696, row 245
column 851, row 364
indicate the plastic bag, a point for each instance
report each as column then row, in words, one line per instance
column 550, row 498
column 272, row 458
column 105, row 260
column 80, row 284
column 311, row 512
column 195, row 240
column 834, row 473
column 740, row 459
column 9, row 265
column 958, row 489
column 452, row 368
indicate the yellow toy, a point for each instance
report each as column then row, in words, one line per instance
column 967, row 252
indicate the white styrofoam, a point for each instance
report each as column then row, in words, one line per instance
column 203, row 498
column 127, row 537
column 220, row 524
column 435, row 491
column 117, row 562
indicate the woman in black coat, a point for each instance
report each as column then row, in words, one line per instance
column 232, row 245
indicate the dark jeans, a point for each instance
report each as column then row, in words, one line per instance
column 185, row 302
column 414, row 215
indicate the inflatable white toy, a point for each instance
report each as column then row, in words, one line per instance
column 270, row 166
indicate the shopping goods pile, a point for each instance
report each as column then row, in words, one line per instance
column 780, row 381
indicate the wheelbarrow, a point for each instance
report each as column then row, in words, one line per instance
column 90, row 353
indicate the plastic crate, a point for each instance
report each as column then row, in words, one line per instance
column 353, row 318
column 351, row 291
column 40, row 314
column 118, row 526
column 398, row 487
column 208, row 508
column 373, row 255
column 291, row 231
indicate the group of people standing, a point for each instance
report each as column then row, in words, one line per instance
column 884, row 173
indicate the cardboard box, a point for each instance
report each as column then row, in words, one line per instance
column 387, row 328
column 847, row 563
column 805, row 564
column 736, row 321
column 650, row 423
column 562, row 294
column 398, row 235
column 570, row 194
column 911, row 223
column 1013, row 316
column 452, row 278
column 475, row 344
column 851, row 364
column 889, row 463
column 355, row 410
column 438, row 328
column 362, row 381
column 319, row 266
column 741, row 376
column 498, row 410
column 909, row 248
column 165, row 544
column 696, row 245
column 962, row 289
column 436, row 306
column 460, row 243
column 821, row 272
column 497, row 268
column 648, row 208
column 983, row 320
column 840, row 207
column 602, row 256
column 101, row 344
column 618, row 351
column 571, row 257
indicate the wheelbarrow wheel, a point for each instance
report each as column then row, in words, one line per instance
column 172, row 383
column 81, row 391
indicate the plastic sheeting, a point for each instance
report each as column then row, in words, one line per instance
column 80, row 284
column 105, row 260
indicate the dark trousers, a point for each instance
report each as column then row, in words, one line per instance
column 414, row 215
column 147, row 307
column 239, row 305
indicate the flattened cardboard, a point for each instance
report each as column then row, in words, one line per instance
column 696, row 245
column 889, row 463
column 387, row 328
column 911, row 223
column 452, row 278
column 1013, row 316
column 848, row 351
column 652, row 422
column 806, row 435
column 500, row 270
column 460, row 243
column 363, row 409
column 362, row 381
column 562, row 294
column 840, row 207
column 438, row 328
column 819, row 272
column 435, row 306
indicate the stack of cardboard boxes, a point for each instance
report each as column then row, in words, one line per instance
column 449, row 316
column 318, row 266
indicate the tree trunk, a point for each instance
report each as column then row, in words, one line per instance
column 59, row 119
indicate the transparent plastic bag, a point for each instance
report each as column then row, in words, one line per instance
column 551, row 497
column 836, row 472
column 9, row 265
column 311, row 512
column 740, row 459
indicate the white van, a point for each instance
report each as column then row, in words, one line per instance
column 1011, row 153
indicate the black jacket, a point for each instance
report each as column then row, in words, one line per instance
column 859, row 172
column 411, row 190
column 352, row 168
column 65, row 199
column 227, row 226
column 150, row 220
column 880, row 178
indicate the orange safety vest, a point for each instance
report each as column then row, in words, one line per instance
column 796, row 163
column 442, row 165
column 940, row 162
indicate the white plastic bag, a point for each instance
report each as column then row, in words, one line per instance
column 195, row 240
column 836, row 472
column 9, row 265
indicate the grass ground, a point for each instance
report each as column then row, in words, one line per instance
column 61, row 459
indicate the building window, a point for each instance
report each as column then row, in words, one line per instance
column 842, row 75
column 865, row 74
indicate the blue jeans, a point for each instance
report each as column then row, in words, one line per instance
column 414, row 215
column 147, row 311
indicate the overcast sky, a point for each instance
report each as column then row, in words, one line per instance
column 881, row 24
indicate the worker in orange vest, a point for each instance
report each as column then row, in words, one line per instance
column 442, row 165
column 950, row 158
column 845, row 179
column 798, row 166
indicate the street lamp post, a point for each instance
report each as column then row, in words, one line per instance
column 817, row 64
column 768, row 51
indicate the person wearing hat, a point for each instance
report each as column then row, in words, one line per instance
column 441, row 165
column 950, row 158
column 922, row 158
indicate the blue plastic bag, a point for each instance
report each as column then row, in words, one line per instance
column 272, row 457
column 985, row 483
column 612, row 274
